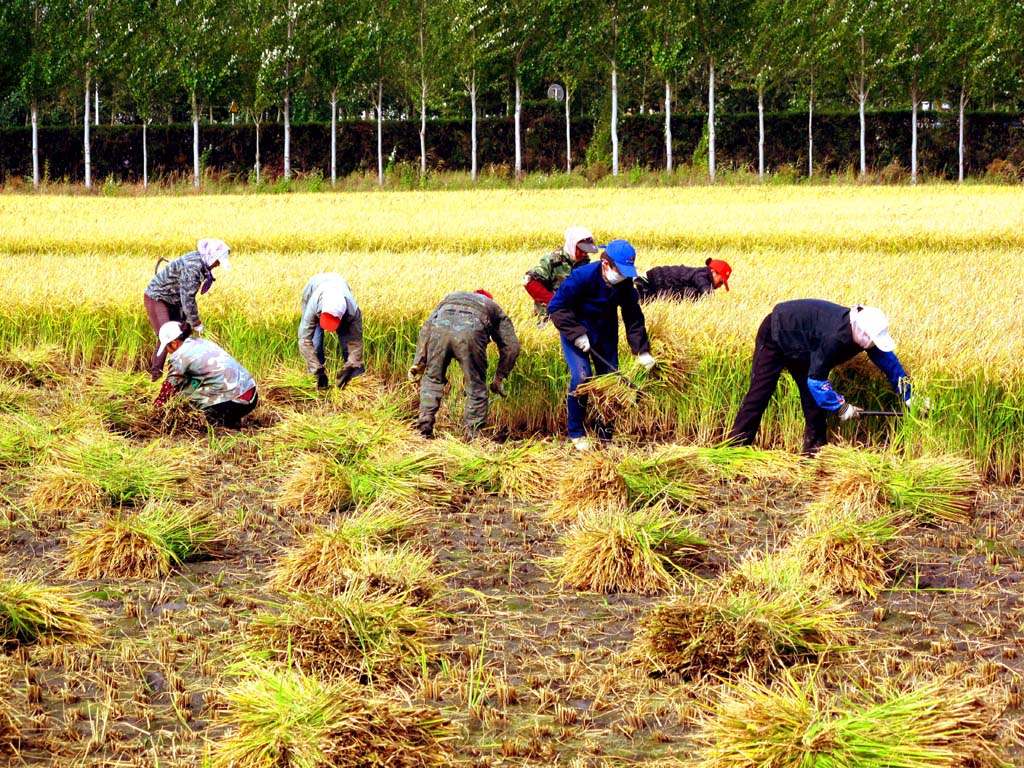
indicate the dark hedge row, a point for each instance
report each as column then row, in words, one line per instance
column 117, row 150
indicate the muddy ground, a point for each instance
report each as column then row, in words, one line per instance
column 531, row 674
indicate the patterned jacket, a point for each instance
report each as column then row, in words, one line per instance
column 178, row 283
column 325, row 292
column 552, row 271
column 211, row 375
column 463, row 312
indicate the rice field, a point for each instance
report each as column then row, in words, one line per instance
column 327, row 588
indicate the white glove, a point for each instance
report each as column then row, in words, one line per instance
column 849, row 411
column 198, row 329
column 582, row 343
column 923, row 404
column 646, row 360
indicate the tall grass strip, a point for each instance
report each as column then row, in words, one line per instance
column 31, row 612
column 287, row 719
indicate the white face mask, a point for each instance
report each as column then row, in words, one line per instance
column 612, row 276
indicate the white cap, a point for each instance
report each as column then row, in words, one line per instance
column 874, row 324
column 168, row 333
column 576, row 235
column 213, row 250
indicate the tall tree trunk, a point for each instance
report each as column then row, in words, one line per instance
column 862, row 100
column 914, row 101
column 810, row 129
column 518, row 121
column 568, row 132
column 334, row 136
column 423, row 129
column 472, row 123
column 960, row 130
column 380, row 133
column 760, row 132
column 615, row 120
column 35, row 145
column 88, row 153
column 257, row 166
column 668, row 126
column 96, row 91
column 287, row 133
column 195, row 141
column 711, row 119
column 145, row 157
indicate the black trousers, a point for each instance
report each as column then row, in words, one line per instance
column 769, row 362
column 229, row 414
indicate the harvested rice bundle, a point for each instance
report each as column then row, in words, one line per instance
column 289, row 386
column 280, row 718
column 22, row 439
column 59, row 489
column 927, row 487
column 624, row 551
column 523, row 470
column 315, row 484
column 609, row 395
column 741, row 462
column 37, row 366
column 125, row 403
column 406, row 479
column 346, row 437
column 13, row 399
column 672, row 477
column 146, row 545
column 799, row 722
column 31, row 612
column 850, row 547
column 123, row 472
column 752, row 624
column 10, row 710
column 399, row 571
column 320, row 563
column 353, row 633
column 591, row 483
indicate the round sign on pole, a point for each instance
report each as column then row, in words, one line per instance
column 556, row 92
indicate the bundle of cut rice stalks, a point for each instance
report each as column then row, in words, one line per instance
column 525, row 470
column 756, row 623
column 125, row 402
column 22, row 439
column 323, row 559
column 147, row 545
column 284, row 718
column 851, row 547
column 928, row 488
column 10, row 710
column 590, row 483
column 626, row 551
column 346, row 437
column 799, row 722
column 372, row 637
column 31, row 612
column 37, row 366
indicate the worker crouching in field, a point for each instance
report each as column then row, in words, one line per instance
column 542, row 281
column 585, row 312
column 460, row 327
column 329, row 306
column 213, row 380
column 683, row 282
column 171, row 294
column 808, row 338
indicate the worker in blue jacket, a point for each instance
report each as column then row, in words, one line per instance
column 585, row 309
column 809, row 337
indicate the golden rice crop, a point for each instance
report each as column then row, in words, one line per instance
column 798, row 722
column 277, row 718
column 31, row 612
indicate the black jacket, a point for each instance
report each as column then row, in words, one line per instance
column 816, row 331
column 675, row 283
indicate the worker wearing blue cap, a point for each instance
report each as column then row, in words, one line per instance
column 584, row 310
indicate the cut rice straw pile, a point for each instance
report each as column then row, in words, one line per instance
column 36, row 613
column 524, row 470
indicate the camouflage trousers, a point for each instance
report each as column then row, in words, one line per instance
column 462, row 338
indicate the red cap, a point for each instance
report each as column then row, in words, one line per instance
column 482, row 292
column 723, row 269
column 329, row 322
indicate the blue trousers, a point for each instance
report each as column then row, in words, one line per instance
column 579, row 371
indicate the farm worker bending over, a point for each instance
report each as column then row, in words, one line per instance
column 460, row 327
column 213, row 380
column 328, row 305
column 683, row 282
column 171, row 294
column 808, row 338
column 542, row 281
column 584, row 310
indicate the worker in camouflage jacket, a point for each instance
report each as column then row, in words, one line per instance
column 542, row 281
column 460, row 327
column 171, row 294
column 214, row 382
column 329, row 306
